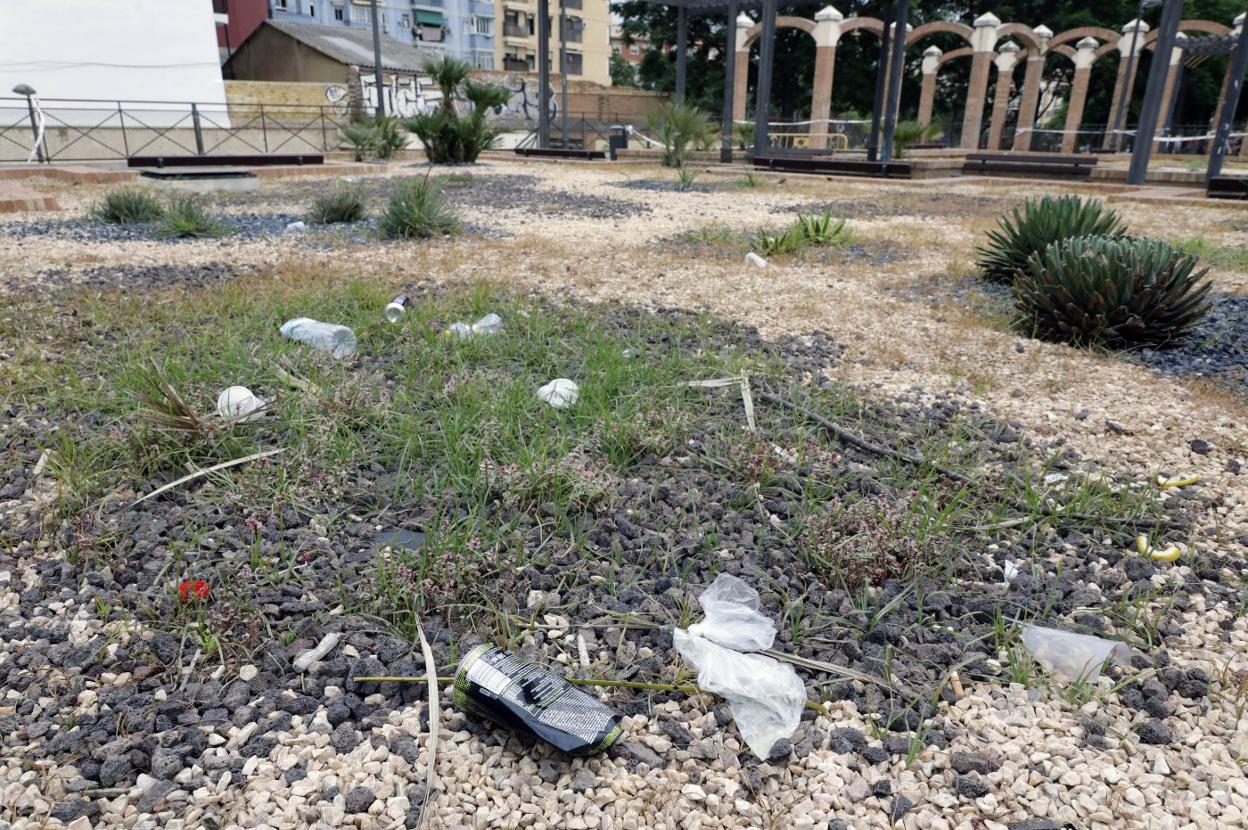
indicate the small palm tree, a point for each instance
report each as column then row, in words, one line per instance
column 908, row 133
column 681, row 129
column 448, row 136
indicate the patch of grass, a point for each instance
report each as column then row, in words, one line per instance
column 127, row 205
column 418, row 211
column 750, row 181
column 187, row 217
column 341, row 203
column 686, row 176
column 1232, row 257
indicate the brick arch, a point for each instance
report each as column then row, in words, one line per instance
column 960, row 29
column 964, row 52
column 1098, row 32
column 808, row 26
column 1021, row 31
column 869, row 24
column 1207, row 26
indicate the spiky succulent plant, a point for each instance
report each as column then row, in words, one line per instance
column 1038, row 223
column 1114, row 292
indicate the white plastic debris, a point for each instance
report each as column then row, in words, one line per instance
column 396, row 309
column 1011, row 571
column 1073, row 657
column 489, row 324
column 765, row 695
column 239, row 402
column 560, row 393
column 296, row 227
column 326, row 337
column 304, row 661
column 755, row 260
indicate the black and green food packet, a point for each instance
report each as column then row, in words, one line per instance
column 524, row 696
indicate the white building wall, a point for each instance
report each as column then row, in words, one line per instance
column 115, row 50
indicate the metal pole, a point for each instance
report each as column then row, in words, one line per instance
column 563, row 73
column 1239, row 63
column 264, row 132
column 543, row 73
column 730, row 81
column 873, row 152
column 199, row 133
column 34, row 129
column 381, row 103
column 766, row 55
column 1150, row 113
column 1120, row 115
column 682, row 49
column 898, row 61
column 121, row 118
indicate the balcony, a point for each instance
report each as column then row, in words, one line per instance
column 573, row 31
column 515, row 65
column 516, row 30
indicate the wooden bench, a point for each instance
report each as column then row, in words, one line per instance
column 981, row 164
column 224, row 161
column 1228, row 187
column 835, row 167
column 560, row 153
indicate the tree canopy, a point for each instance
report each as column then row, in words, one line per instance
column 858, row 55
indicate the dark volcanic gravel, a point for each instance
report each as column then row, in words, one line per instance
column 886, row 204
column 1217, row 349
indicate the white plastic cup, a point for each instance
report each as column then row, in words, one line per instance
column 239, row 403
column 560, row 393
column 755, row 260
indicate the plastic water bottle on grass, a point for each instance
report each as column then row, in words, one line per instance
column 326, row 337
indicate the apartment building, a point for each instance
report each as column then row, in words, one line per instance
column 632, row 52
column 586, row 31
column 465, row 29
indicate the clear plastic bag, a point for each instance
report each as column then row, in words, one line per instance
column 1073, row 657
column 765, row 695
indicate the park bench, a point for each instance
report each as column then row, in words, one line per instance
column 258, row 160
column 1228, row 187
column 835, row 167
column 982, row 164
column 560, row 153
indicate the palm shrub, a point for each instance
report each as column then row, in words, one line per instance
column 186, row 217
column 681, row 129
column 1038, row 223
column 449, row 136
column 417, row 211
column 1115, row 292
column 908, row 133
column 376, row 137
column 126, row 205
column 342, row 203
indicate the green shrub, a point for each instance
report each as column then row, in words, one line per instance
column 186, row 217
column 448, row 136
column 342, row 203
column 375, row 137
column 806, row 232
column 129, row 204
column 743, row 135
column 685, row 177
column 1038, row 223
column 908, row 133
column 417, row 211
column 1112, row 292
column 681, row 129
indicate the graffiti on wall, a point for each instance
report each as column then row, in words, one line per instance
column 409, row 95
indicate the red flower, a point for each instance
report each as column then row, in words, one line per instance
column 192, row 589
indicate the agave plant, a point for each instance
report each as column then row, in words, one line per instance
column 1114, row 292
column 1039, row 223
column 821, row 229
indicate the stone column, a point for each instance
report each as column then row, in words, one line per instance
column 1130, row 45
column 983, row 41
column 1167, row 95
column 827, row 35
column 741, row 76
column 1032, row 79
column 1085, row 56
column 927, row 95
column 1006, row 60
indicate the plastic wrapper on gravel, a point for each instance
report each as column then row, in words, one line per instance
column 1073, row 657
column 765, row 695
column 521, row 695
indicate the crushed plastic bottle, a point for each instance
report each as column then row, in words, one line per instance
column 396, row 309
column 521, row 695
column 560, row 393
column 238, row 402
column 755, row 260
column 489, row 324
column 296, row 227
column 326, row 337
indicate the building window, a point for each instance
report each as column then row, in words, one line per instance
column 363, row 13
column 480, row 25
column 572, row 4
column 634, row 50
column 312, row 11
column 574, row 63
column 572, row 31
column 280, row 4
column 338, row 15
column 405, row 21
